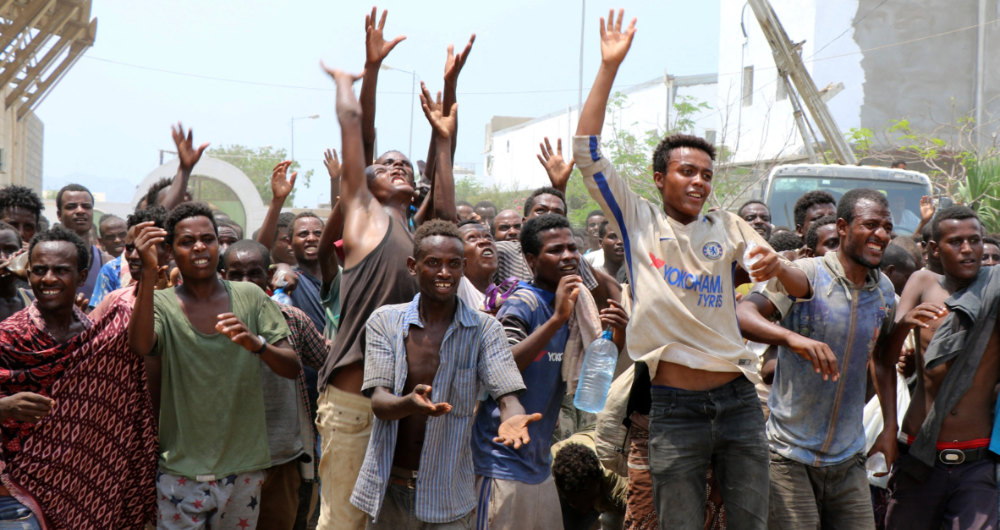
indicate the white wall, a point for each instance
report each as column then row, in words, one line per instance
column 513, row 164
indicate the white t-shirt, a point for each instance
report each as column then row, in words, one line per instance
column 683, row 301
column 472, row 297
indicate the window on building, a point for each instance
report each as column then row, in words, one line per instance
column 781, row 92
column 748, row 86
column 710, row 136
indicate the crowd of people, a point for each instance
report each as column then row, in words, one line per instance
column 411, row 361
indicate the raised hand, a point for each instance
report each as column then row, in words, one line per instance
column 148, row 238
column 420, row 398
column 926, row 209
column 555, row 165
column 615, row 42
column 186, row 152
column 454, row 63
column 376, row 48
column 514, row 431
column 444, row 123
column 340, row 76
column 281, row 186
column 332, row 163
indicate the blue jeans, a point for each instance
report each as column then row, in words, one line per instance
column 692, row 430
column 16, row 516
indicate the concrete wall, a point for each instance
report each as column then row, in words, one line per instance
column 511, row 156
column 21, row 145
column 885, row 54
column 933, row 80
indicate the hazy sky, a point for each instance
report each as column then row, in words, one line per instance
column 237, row 72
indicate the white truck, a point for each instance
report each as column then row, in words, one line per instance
column 904, row 188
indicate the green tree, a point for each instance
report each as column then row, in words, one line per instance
column 257, row 164
column 958, row 163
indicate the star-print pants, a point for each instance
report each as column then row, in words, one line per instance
column 231, row 502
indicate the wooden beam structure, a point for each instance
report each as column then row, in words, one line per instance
column 40, row 40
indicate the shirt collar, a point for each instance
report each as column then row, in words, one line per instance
column 464, row 315
column 833, row 263
column 36, row 318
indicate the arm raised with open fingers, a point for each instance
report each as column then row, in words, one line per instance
column 557, row 167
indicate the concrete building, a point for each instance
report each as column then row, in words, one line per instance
column 39, row 42
column 926, row 62
column 512, row 143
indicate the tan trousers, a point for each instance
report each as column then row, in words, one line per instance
column 344, row 421
column 512, row 505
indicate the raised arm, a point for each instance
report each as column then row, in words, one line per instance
column 365, row 222
column 452, row 67
column 334, row 227
column 444, row 123
column 376, row 50
column 141, row 334
column 555, row 165
column 614, row 46
column 189, row 156
column 281, row 188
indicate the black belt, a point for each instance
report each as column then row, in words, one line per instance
column 953, row 457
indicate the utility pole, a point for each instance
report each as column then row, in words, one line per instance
column 788, row 58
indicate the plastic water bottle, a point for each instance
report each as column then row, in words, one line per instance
column 281, row 296
column 749, row 260
column 595, row 376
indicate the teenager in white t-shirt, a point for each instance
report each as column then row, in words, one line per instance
column 682, row 266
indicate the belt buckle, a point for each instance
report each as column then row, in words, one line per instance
column 951, row 456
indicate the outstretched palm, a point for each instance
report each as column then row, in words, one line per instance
column 281, row 186
column 443, row 123
column 615, row 42
column 186, row 151
column 555, row 165
column 376, row 48
column 514, row 431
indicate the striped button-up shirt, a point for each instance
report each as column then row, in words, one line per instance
column 475, row 356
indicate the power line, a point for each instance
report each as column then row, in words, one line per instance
column 317, row 89
column 849, row 28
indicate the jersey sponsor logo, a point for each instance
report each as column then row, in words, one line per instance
column 708, row 286
column 712, row 250
column 553, row 356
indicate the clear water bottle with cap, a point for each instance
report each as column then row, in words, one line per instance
column 595, row 376
column 281, row 296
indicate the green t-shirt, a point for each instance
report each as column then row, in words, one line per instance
column 211, row 404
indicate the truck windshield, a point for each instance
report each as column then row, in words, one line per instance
column 904, row 197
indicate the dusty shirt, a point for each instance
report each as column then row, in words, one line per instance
column 824, row 425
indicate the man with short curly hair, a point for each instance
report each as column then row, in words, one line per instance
column 20, row 207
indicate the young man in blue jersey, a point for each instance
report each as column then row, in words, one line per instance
column 516, row 489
